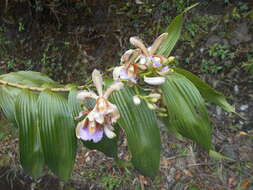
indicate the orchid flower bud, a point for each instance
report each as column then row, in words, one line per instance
column 136, row 100
column 171, row 59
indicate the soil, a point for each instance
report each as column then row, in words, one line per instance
column 83, row 35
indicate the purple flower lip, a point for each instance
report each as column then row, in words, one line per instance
column 165, row 68
column 156, row 64
column 125, row 76
column 87, row 136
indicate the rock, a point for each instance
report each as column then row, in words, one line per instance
column 246, row 153
column 229, row 150
column 214, row 39
column 139, row 2
column 236, row 89
column 244, row 107
column 218, row 111
column 241, row 34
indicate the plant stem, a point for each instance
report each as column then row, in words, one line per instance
column 38, row 88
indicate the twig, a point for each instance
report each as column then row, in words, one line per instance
column 38, row 88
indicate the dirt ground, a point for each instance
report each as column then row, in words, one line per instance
column 216, row 44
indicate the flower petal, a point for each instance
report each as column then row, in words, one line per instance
column 157, row 43
column 86, row 94
column 154, row 80
column 81, row 114
column 87, row 136
column 78, row 128
column 143, row 60
column 94, row 115
column 98, row 81
column 125, row 76
column 125, row 57
column 114, row 87
column 108, row 132
column 116, row 72
column 137, row 42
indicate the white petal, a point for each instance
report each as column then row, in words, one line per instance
column 81, row 114
column 108, row 132
column 116, row 73
column 86, row 94
column 154, row 80
column 114, row 87
column 79, row 125
column 94, row 115
column 143, row 60
column 157, row 43
column 115, row 115
column 136, row 100
column 157, row 59
column 137, row 42
column 125, row 57
column 98, row 81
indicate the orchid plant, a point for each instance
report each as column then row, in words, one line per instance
column 146, row 87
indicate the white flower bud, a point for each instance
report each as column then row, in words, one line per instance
column 154, row 95
column 171, row 59
column 152, row 106
column 136, row 100
column 154, row 80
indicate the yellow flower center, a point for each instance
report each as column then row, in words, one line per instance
column 102, row 104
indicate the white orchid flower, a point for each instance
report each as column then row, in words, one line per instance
column 151, row 60
column 128, row 69
column 148, row 56
column 100, row 119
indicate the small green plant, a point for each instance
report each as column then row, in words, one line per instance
column 210, row 67
column 249, row 66
column 220, row 51
column 21, row 27
column 110, row 182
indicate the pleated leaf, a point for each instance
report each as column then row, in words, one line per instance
column 206, row 91
column 74, row 103
column 57, row 130
column 108, row 146
column 186, row 109
column 31, row 155
column 140, row 126
column 7, row 104
column 174, row 31
column 30, row 78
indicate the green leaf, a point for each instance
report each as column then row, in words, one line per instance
column 206, row 91
column 7, row 104
column 31, row 155
column 30, row 78
column 186, row 109
column 57, row 130
column 174, row 31
column 140, row 126
column 74, row 103
column 219, row 156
